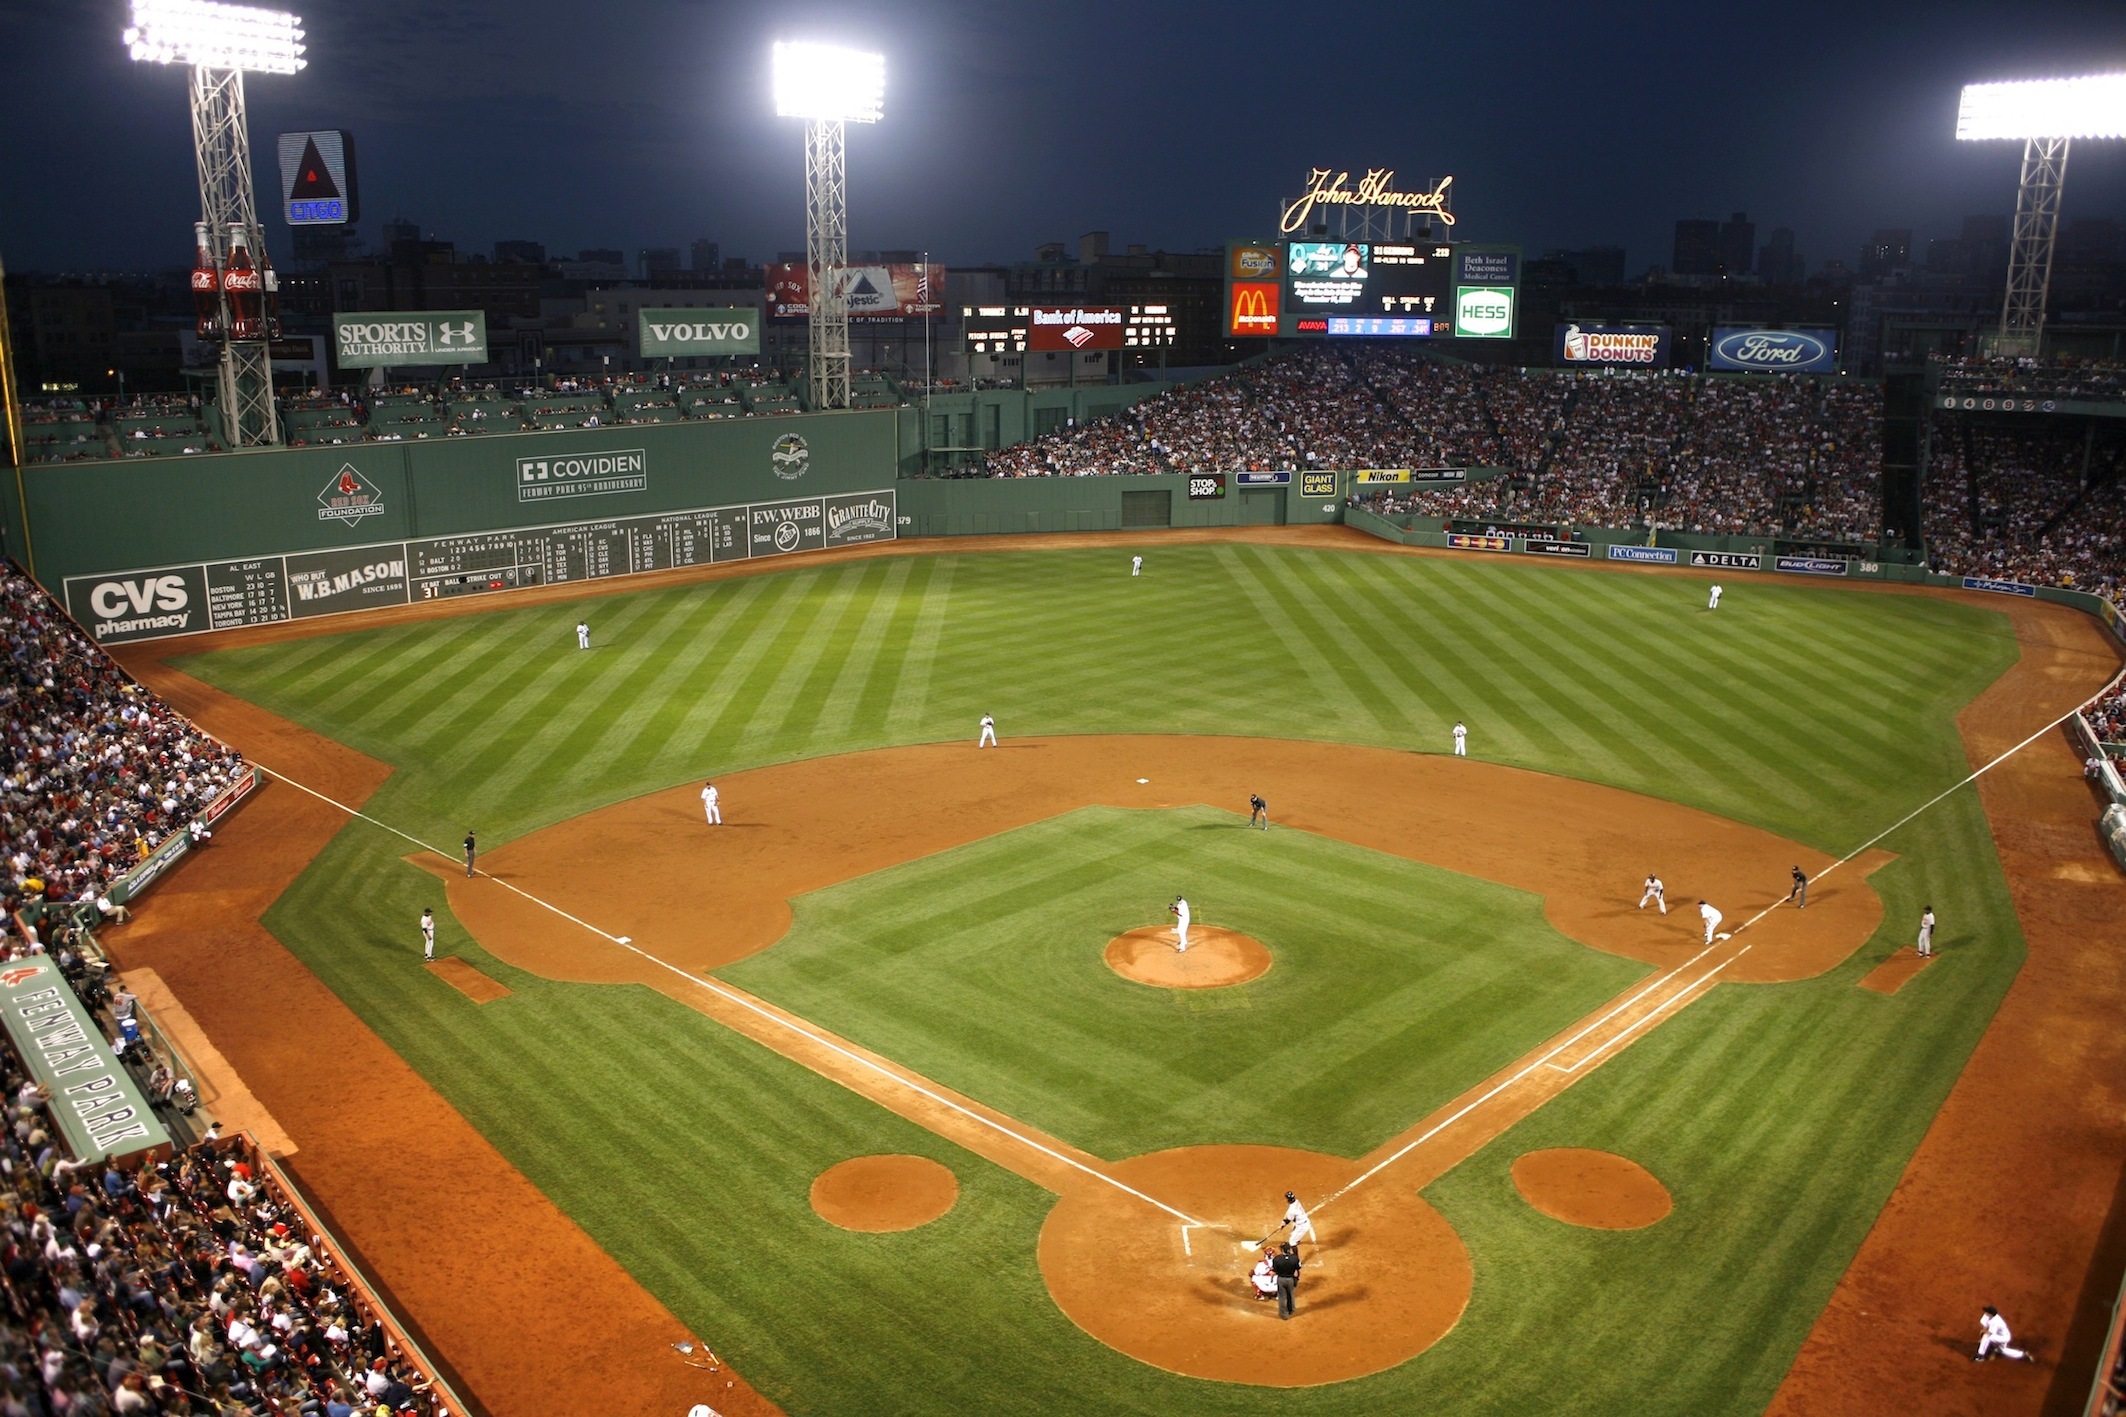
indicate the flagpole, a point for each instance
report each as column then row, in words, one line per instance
column 929, row 374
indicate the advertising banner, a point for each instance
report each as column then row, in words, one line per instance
column 1379, row 476
column 1254, row 262
column 1483, row 312
column 582, row 475
column 1317, row 484
column 779, row 528
column 1650, row 555
column 1812, row 565
column 1998, row 587
column 140, row 604
column 1254, row 311
column 374, row 339
column 860, row 517
column 1545, row 546
column 1462, row 541
column 1056, row 329
column 1439, row 474
column 1641, row 346
column 1476, row 266
column 326, row 582
column 1728, row 560
column 1206, row 486
column 1263, row 479
column 95, row 1102
column 1812, row 351
column 685, row 334
column 899, row 290
column 317, row 178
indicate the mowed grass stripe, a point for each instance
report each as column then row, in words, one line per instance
column 911, row 692
column 785, row 712
column 1334, row 695
column 838, row 706
column 1330, row 607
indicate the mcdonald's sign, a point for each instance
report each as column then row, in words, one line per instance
column 1253, row 313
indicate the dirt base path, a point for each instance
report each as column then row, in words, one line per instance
column 526, row 1311
column 2012, row 1198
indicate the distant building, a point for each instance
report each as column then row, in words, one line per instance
column 1777, row 260
column 1738, row 245
column 1697, row 250
column 1889, row 249
column 705, row 255
column 530, row 253
column 654, row 261
column 602, row 256
column 1593, row 265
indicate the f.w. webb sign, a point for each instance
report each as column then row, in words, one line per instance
column 684, row 334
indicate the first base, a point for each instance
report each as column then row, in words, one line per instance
column 1723, row 935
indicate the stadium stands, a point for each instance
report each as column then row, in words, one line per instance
column 2027, row 502
column 2058, row 376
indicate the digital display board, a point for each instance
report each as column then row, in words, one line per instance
column 317, row 178
column 1056, row 328
column 995, row 329
column 120, row 606
column 1364, row 283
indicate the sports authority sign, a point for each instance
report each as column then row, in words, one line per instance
column 685, row 334
column 1055, row 328
column 582, row 475
column 390, row 337
column 99, row 1108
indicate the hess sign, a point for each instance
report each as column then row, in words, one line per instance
column 317, row 178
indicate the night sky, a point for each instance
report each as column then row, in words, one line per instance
column 648, row 122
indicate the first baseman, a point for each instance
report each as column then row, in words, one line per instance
column 989, row 733
column 1179, row 910
column 1295, row 1215
column 1654, row 893
column 583, row 634
column 1461, row 740
column 428, row 933
column 709, row 798
column 1712, row 919
column 1714, row 603
column 1926, row 933
column 1258, row 809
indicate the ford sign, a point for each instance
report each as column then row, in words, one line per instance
column 1774, row 351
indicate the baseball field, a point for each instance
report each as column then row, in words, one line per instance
column 612, row 1115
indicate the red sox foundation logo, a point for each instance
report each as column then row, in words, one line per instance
column 20, row 974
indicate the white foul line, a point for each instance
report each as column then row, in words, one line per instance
column 713, row 987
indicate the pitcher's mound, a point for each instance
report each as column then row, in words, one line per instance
column 1598, row 1189
column 880, row 1193
column 1215, row 957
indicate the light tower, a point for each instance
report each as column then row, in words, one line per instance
column 2045, row 114
column 219, row 42
column 827, row 86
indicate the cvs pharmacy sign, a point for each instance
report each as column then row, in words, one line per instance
column 139, row 605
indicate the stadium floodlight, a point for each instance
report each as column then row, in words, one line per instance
column 2046, row 114
column 219, row 43
column 213, row 36
column 2090, row 107
column 827, row 86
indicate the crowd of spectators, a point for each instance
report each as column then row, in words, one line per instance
column 191, row 1286
column 2055, row 376
column 97, row 771
column 2107, row 716
column 2033, row 504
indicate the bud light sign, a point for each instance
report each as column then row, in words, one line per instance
column 1813, row 351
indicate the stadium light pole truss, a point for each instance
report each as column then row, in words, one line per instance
column 828, row 87
column 2046, row 114
column 218, row 43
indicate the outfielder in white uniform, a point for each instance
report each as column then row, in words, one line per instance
column 709, row 798
column 1654, row 893
column 583, row 634
column 1994, row 1337
column 1179, row 910
column 989, row 733
column 1714, row 603
column 1926, row 933
column 1295, row 1215
column 1461, row 740
column 1712, row 919
column 428, row 933
column 1136, row 565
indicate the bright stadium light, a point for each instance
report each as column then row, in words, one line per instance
column 2089, row 107
column 2046, row 114
column 828, row 84
column 212, row 36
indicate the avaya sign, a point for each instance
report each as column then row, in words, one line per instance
column 684, row 334
column 369, row 341
column 1054, row 328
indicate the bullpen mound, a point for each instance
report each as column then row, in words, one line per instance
column 1598, row 1189
column 881, row 1193
column 1215, row 958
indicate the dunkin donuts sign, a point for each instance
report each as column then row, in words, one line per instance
column 1643, row 346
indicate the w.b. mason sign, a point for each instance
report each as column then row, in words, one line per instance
column 682, row 334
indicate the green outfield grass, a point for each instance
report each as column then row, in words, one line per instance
column 1396, row 985
column 1779, row 1116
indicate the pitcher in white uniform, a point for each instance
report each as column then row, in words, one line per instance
column 1179, row 910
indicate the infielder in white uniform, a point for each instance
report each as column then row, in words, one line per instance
column 1994, row 1337
column 989, row 733
column 1295, row 1215
column 428, row 934
column 583, row 634
column 709, row 798
column 1179, row 910
column 1461, row 740
column 1712, row 919
column 1136, row 565
column 1714, row 603
column 1654, row 893
column 1926, row 933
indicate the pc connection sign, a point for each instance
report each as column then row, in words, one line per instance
column 1053, row 329
column 582, row 475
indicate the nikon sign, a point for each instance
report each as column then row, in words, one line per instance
column 683, row 334
column 370, row 341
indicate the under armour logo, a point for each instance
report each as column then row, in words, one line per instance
column 447, row 333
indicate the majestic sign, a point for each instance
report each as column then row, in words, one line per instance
column 1254, row 310
column 1774, row 351
column 582, row 475
column 1327, row 187
column 789, row 456
column 386, row 337
column 349, row 497
column 1998, row 587
column 1728, row 560
column 317, row 178
column 898, row 290
column 1056, row 328
column 682, row 334
column 1483, row 312
column 1642, row 345
column 1656, row 555
column 98, row 1107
